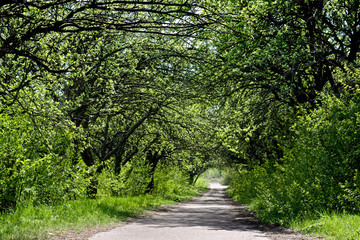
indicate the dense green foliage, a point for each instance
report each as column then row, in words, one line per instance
column 92, row 99
column 319, row 169
column 116, row 98
column 39, row 162
column 292, row 116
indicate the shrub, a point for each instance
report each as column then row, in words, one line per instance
column 37, row 165
column 319, row 170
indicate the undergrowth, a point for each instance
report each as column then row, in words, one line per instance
column 315, row 186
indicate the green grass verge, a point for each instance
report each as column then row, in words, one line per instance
column 41, row 222
column 325, row 224
column 334, row 226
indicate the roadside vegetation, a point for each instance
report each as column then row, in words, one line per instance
column 45, row 222
column 132, row 99
column 42, row 221
column 315, row 185
column 332, row 225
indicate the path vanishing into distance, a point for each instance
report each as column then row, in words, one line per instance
column 210, row 216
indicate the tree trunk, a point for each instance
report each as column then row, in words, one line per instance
column 153, row 159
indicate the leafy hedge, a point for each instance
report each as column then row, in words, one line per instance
column 38, row 164
column 319, row 170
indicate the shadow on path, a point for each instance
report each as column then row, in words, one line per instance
column 213, row 210
column 210, row 216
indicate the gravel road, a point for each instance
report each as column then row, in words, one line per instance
column 210, row 216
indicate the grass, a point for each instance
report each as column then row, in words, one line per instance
column 334, row 226
column 43, row 222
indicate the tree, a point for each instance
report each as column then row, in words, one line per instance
column 42, row 37
column 109, row 71
column 290, row 49
column 277, row 56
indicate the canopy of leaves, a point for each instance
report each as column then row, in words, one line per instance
column 117, row 94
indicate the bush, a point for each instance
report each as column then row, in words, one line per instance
column 173, row 184
column 37, row 165
column 131, row 181
column 319, row 170
column 323, row 158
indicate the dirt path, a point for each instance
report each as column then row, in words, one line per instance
column 210, row 216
